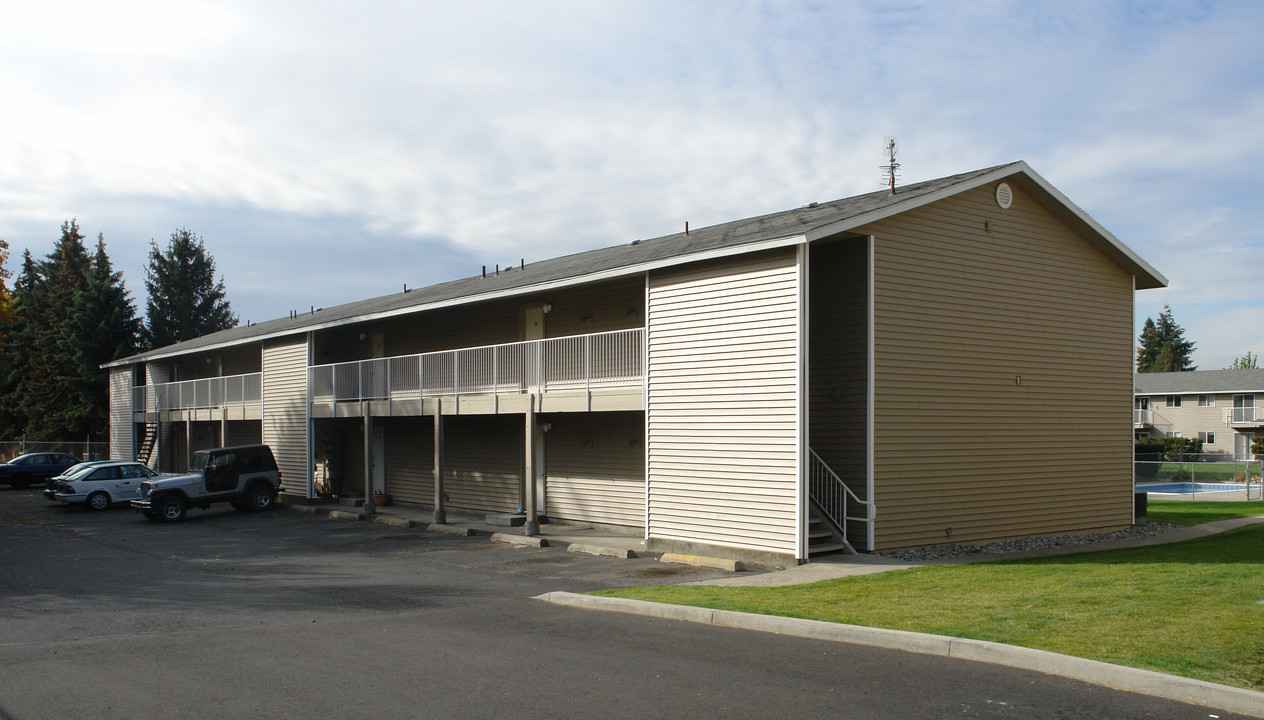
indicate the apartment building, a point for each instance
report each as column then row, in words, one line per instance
column 1215, row 406
column 892, row 367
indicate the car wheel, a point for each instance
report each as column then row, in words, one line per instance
column 21, row 481
column 170, row 508
column 99, row 500
column 260, row 498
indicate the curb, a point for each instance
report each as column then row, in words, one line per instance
column 1095, row 672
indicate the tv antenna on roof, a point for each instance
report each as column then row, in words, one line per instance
column 890, row 146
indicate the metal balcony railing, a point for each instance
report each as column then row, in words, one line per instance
column 579, row 362
column 1241, row 415
column 205, row 393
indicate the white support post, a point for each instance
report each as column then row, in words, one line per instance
column 440, row 515
column 532, row 525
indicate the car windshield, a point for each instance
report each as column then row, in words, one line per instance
column 199, row 460
column 24, row 460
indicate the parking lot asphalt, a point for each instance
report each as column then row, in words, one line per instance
column 282, row 614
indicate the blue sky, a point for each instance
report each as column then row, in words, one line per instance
column 333, row 151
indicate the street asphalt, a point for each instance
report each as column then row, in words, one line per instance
column 287, row 614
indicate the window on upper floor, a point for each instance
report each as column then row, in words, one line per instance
column 1174, row 401
column 1206, row 401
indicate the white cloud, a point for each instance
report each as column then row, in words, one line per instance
column 507, row 130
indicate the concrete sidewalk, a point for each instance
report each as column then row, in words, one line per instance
column 838, row 566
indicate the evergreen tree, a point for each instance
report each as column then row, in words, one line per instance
column 15, row 348
column 1246, row 362
column 185, row 301
column 1163, row 347
column 103, row 327
column 6, row 298
column 51, row 363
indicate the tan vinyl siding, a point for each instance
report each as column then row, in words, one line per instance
column 121, row 427
column 1003, row 358
column 595, row 467
column 723, row 404
column 483, row 462
column 410, row 459
column 285, row 409
column 240, row 360
column 243, row 432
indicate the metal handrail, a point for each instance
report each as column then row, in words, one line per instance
column 575, row 362
column 832, row 495
column 201, row 394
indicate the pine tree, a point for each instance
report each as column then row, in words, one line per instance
column 185, row 301
column 1162, row 346
column 51, row 364
column 103, row 327
column 16, row 348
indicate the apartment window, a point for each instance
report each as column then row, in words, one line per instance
column 1143, row 403
column 1208, row 438
column 1206, row 401
column 1175, row 434
column 1173, row 400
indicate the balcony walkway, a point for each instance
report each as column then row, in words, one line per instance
column 580, row 373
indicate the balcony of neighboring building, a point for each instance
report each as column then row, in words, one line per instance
column 1244, row 417
column 578, row 373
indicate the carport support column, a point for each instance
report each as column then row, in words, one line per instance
column 440, row 515
column 368, row 508
column 532, row 524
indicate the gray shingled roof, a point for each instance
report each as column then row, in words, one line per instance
column 630, row 256
column 1199, row 381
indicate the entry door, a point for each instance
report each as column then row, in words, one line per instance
column 1242, row 445
column 533, row 322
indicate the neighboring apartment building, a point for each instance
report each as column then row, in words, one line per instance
column 911, row 366
column 1215, row 406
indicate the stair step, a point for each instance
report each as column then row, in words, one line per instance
column 824, row 548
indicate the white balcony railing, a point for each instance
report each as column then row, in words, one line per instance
column 216, row 392
column 578, row 362
column 1240, row 415
column 1140, row 417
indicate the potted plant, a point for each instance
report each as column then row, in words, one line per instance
column 381, row 498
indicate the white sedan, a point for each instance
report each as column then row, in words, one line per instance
column 105, row 484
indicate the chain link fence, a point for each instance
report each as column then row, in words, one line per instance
column 82, row 449
column 1194, row 474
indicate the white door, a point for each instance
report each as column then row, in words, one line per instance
column 1242, row 445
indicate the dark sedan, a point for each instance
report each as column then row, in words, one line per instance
column 24, row 470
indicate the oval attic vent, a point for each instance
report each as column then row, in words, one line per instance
column 1004, row 196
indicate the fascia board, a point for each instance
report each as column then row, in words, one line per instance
column 713, row 254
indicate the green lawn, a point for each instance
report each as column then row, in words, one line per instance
column 1184, row 512
column 1194, row 608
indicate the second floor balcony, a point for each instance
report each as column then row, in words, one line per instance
column 601, row 371
column 229, row 397
column 1243, row 416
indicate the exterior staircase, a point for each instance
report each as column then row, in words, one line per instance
column 147, row 443
column 823, row 537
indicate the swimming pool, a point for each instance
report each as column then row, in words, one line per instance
column 1188, row 488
